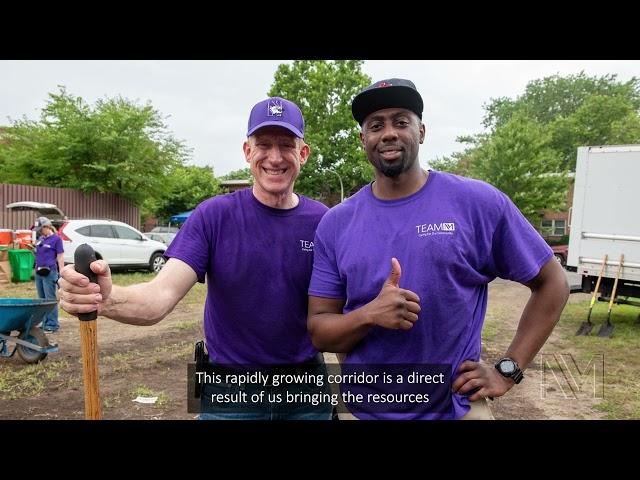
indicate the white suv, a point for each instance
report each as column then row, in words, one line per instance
column 121, row 245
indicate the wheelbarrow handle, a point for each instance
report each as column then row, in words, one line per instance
column 83, row 257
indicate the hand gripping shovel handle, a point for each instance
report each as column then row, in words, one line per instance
column 83, row 257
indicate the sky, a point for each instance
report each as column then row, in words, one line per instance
column 207, row 102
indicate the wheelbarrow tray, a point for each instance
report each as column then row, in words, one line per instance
column 23, row 314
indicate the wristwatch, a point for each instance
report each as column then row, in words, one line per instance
column 509, row 368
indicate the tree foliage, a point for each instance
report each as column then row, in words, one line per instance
column 550, row 98
column 115, row 146
column 578, row 110
column 241, row 174
column 531, row 141
column 324, row 90
column 519, row 160
column 185, row 187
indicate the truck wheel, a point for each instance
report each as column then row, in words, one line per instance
column 36, row 336
column 560, row 259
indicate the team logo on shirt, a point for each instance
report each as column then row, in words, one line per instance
column 306, row 245
column 427, row 229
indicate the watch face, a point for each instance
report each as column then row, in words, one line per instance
column 507, row 366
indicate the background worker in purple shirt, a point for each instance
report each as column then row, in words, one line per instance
column 401, row 268
column 49, row 263
column 255, row 248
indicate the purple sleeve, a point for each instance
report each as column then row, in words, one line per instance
column 518, row 252
column 59, row 246
column 325, row 279
column 192, row 245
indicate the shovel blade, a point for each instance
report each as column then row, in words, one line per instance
column 585, row 328
column 606, row 330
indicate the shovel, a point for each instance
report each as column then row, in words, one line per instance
column 585, row 328
column 607, row 328
column 83, row 257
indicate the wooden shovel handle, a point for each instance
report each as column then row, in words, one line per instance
column 89, row 347
column 615, row 282
column 595, row 290
column 83, row 257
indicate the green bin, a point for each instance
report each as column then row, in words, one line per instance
column 21, row 262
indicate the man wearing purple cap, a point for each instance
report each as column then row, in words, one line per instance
column 401, row 272
column 255, row 248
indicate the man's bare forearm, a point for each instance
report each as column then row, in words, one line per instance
column 337, row 332
column 148, row 303
column 540, row 315
column 142, row 304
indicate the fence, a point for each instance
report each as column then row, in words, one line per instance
column 73, row 203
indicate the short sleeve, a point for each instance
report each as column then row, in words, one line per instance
column 325, row 278
column 192, row 244
column 518, row 252
column 59, row 246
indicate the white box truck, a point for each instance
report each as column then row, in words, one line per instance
column 605, row 220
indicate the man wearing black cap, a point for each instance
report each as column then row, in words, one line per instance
column 255, row 249
column 401, row 272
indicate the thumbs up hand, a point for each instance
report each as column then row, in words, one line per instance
column 394, row 277
column 394, row 307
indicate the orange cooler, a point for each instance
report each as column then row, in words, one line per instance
column 6, row 236
column 24, row 238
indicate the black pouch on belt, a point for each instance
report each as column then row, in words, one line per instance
column 201, row 358
column 43, row 271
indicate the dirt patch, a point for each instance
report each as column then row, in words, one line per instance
column 540, row 396
column 153, row 361
column 132, row 361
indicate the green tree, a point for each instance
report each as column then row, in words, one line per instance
column 324, row 90
column 547, row 99
column 459, row 163
column 531, row 141
column 519, row 160
column 579, row 110
column 115, row 146
column 185, row 187
column 600, row 120
column 241, row 174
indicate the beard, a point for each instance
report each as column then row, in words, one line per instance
column 394, row 169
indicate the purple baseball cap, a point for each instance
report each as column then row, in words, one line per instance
column 276, row 111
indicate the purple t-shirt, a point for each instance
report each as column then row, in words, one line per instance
column 452, row 237
column 258, row 262
column 47, row 250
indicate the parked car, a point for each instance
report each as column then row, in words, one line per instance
column 561, row 252
column 49, row 210
column 165, row 238
column 121, row 245
column 164, row 230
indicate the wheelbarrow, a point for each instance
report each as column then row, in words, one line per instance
column 23, row 315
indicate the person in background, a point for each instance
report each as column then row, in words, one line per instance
column 49, row 253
